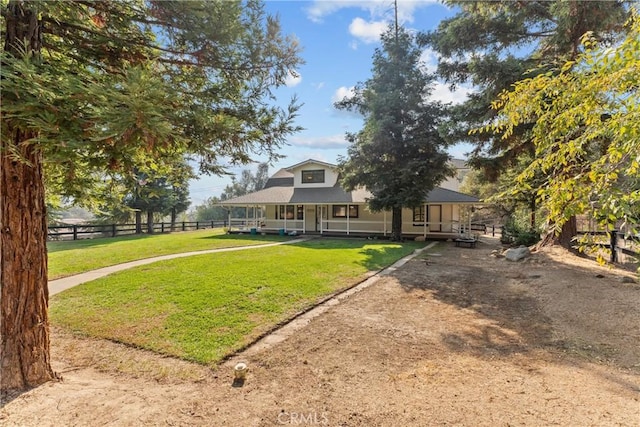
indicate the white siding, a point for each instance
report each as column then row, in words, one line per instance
column 330, row 175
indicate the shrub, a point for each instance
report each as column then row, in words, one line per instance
column 514, row 233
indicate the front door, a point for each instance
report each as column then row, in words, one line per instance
column 310, row 222
column 435, row 217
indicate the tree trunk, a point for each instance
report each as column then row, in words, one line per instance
column 174, row 216
column 565, row 238
column 138, row 222
column 532, row 217
column 149, row 222
column 24, row 295
column 24, row 321
column 396, row 224
column 568, row 232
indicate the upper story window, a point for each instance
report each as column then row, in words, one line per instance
column 315, row 176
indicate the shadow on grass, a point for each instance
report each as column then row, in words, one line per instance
column 65, row 245
column 60, row 246
column 379, row 254
column 248, row 237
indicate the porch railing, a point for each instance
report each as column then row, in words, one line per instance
column 358, row 226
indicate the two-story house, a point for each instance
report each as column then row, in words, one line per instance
column 307, row 198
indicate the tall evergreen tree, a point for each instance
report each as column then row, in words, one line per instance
column 586, row 133
column 495, row 44
column 109, row 87
column 399, row 154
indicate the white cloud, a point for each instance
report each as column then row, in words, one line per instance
column 367, row 31
column 377, row 9
column 317, row 86
column 342, row 92
column 293, row 79
column 330, row 142
column 429, row 60
column 442, row 93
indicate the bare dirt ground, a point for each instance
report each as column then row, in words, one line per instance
column 458, row 337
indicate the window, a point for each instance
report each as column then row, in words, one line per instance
column 340, row 211
column 288, row 211
column 419, row 214
column 313, row 176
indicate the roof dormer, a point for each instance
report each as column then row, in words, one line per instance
column 313, row 174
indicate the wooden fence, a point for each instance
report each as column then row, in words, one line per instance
column 624, row 249
column 88, row 231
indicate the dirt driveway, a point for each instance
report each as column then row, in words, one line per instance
column 457, row 337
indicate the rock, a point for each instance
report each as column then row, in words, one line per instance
column 627, row 280
column 516, row 254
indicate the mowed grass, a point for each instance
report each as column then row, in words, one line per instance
column 74, row 257
column 204, row 307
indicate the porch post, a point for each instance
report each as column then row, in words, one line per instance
column 319, row 206
column 230, row 218
column 285, row 218
column 304, row 219
column 424, row 219
column 384, row 223
column 347, row 219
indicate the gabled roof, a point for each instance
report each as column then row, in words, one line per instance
column 279, row 190
column 317, row 162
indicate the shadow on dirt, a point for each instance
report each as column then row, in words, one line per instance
column 514, row 302
column 514, row 323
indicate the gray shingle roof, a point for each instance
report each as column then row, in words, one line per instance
column 288, row 195
column 442, row 195
column 279, row 190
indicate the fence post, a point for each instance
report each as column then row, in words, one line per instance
column 75, row 232
column 113, row 230
column 197, row 225
column 162, row 227
column 183, row 229
column 211, row 223
column 614, row 241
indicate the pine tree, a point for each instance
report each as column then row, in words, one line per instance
column 399, row 154
column 492, row 45
column 98, row 89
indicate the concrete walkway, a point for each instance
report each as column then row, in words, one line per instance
column 59, row 285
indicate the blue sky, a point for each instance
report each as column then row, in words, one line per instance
column 338, row 38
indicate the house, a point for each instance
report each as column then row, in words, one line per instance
column 307, row 198
column 453, row 183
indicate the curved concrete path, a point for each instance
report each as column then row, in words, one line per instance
column 59, row 285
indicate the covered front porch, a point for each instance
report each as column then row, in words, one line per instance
column 431, row 221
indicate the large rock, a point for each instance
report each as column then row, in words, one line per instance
column 516, row 254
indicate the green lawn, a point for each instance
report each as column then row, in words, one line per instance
column 204, row 307
column 73, row 257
